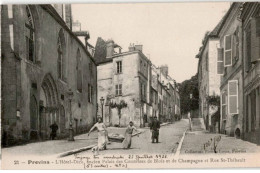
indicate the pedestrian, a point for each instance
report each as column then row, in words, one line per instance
column 54, row 127
column 128, row 135
column 154, row 127
column 102, row 136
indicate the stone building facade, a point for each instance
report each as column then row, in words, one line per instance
column 209, row 79
column 41, row 61
column 231, row 87
column 126, row 77
column 250, row 17
column 130, row 77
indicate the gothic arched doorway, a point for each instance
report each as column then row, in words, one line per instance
column 49, row 109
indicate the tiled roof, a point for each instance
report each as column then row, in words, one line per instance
column 216, row 30
column 101, row 51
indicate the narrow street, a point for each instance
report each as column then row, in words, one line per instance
column 169, row 138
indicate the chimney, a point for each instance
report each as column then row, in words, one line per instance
column 139, row 47
column 68, row 15
column 164, row 69
column 131, row 47
column 110, row 48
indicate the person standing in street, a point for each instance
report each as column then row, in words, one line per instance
column 128, row 135
column 102, row 136
column 154, row 127
column 54, row 127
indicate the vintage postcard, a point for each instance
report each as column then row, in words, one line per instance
column 130, row 85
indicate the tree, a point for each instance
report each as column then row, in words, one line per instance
column 186, row 88
column 119, row 106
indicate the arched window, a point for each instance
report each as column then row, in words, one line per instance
column 79, row 71
column 61, row 57
column 29, row 34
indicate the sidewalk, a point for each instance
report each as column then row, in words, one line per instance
column 203, row 142
column 58, row 146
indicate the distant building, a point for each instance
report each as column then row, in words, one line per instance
column 209, row 79
column 132, row 78
column 41, row 61
column 124, row 76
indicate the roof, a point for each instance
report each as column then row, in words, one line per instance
column 219, row 26
column 101, row 51
column 215, row 32
column 51, row 10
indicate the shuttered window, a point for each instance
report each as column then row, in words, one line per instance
column 235, row 46
column 224, row 106
column 255, row 40
column 248, row 48
column 228, row 51
column 233, row 97
column 220, row 63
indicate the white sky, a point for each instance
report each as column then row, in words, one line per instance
column 171, row 33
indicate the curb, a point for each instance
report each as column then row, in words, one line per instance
column 178, row 151
column 67, row 153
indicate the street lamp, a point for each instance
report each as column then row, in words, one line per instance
column 70, row 96
column 102, row 104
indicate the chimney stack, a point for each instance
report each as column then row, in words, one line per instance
column 110, row 48
column 139, row 47
column 68, row 15
column 164, row 69
column 131, row 47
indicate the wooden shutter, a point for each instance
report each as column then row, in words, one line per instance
column 228, row 51
column 255, row 40
column 248, row 48
column 220, row 63
column 223, row 106
column 233, row 97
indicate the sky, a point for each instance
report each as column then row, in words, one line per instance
column 171, row 33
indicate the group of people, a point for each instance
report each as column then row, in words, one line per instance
column 103, row 134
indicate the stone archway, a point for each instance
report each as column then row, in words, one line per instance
column 49, row 105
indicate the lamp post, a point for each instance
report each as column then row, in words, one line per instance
column 102, row 104
column 70, row 96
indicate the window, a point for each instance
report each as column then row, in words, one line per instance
column 29, row 35
column 228, row 50
column 235, row 46
column 143, row 92
column 233, row 97
column 255, row 39
column 220, row 63
column 248, row 48
column 119, row 90
column 61, row 57
column 119, row 66
column 224, row 106
column 90, row 93
column 79, row 71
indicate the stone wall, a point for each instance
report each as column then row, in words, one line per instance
column 25, row 79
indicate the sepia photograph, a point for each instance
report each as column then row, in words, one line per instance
column 130, row 85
